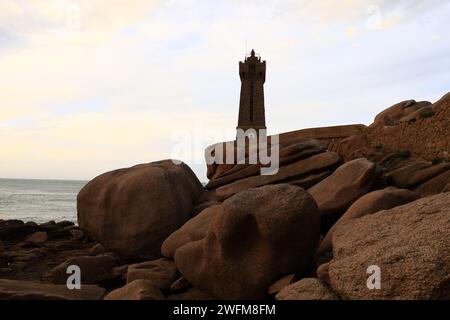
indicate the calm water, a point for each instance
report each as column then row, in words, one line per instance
column 39, row 200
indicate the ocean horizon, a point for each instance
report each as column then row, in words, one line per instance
column 39, row 200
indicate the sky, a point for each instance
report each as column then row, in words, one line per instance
column 90, row 86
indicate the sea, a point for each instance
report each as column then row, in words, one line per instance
column 39, row 200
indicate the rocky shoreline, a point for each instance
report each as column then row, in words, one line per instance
column 313, row 231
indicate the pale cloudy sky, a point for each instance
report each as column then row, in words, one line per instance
column 88, row 86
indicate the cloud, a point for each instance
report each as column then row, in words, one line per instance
column 88, row 86
column 83, row 21
column 330, row 11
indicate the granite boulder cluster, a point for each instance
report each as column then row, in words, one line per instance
column 309, row 232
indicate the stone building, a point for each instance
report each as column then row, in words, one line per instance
column 251, row 107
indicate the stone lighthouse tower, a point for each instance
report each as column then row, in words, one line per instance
column 251, row 106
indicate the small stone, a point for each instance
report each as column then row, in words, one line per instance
column 137, row 290
column 278, row 285
column 77, row 234
column 180, row 285
column 96, row 250
column 161, row 272
column 37, row 237
column 27, row 290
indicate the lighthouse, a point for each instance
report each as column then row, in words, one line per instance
column 252, row 72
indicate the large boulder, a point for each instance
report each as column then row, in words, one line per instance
column 337, row 192
column 161, row 272
column 193, row 230
column 27, row 290
column 131, row 211
column 260, row 235
column 137, row 290
column 370, row 203
column 37, row 237
column 307, row 289
column 410, row 244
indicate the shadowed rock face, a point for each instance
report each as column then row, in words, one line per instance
column 416, row 172
column 25, row 256
column 260, row 235
column 368, row 204
column 131, row 211
column 438, row 184
column 410, row 244
column 193, row 230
